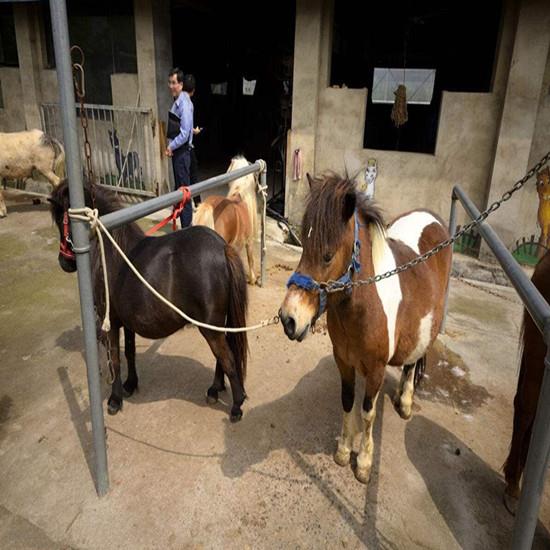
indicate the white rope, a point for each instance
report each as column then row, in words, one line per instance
column 92, row 216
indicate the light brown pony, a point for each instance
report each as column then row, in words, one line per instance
column 528, row 389
column 543, row 214
column 392, row 322
column 234, row 217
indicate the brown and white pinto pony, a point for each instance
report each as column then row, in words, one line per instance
column 528, row 389
column 391, row 322
column 234, row 217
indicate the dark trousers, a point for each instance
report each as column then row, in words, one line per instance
column 194, row 174
column 181, row 163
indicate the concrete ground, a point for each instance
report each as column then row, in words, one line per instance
column 183, row 476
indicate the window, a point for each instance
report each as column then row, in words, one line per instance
column 8, row 44
column 434, row 46
column 105, row 32
column 419, row 84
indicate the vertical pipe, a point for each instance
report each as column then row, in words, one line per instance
column 263, row 184
column 80, row 235
column 452, row 231
column 535, row 468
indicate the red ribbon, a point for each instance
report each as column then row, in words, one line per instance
column 177, row 210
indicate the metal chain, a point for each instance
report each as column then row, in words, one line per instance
column 80, row 90
column 334, row 286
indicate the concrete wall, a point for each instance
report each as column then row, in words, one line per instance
column 12, row 116
column 470, row 125
column 467, row 130
column 305, row 87
column 124, row 87
column 519, row 118
column 540, row 146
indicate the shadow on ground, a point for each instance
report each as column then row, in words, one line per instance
column 466, row 490
column 305, row 422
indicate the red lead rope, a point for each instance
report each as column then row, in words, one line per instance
column 177, row 210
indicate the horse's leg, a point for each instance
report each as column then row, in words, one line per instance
column 3, row 209
column 403, row 399
column 114, row 404
column 251, row 266
column 52, row 177
column 374, row 380
column 220, row 348
column 131, row 383
column 217, row 386
column 345, row 443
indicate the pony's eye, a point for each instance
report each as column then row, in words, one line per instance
column 327, row 258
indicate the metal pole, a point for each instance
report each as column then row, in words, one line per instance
column 263, row 184
column 535, row 468
column 132, row 213
column 533, row 300
column 60, row 31
column 452, row 231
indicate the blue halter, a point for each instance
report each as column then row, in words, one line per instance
column 311, row 285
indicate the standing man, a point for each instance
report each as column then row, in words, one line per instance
column 180, row 133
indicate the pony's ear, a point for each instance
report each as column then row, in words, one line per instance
column 350, row 201
column 314, row 183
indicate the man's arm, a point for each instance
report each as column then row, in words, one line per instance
column 186, row 127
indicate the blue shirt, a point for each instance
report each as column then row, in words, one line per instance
column 183, row 108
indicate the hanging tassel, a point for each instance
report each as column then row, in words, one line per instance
column 399, row 113
column 297, row 163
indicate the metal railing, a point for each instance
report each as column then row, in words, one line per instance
column 539, row 309
column 122, row 144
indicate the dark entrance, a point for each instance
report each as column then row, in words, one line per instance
column 222, row 43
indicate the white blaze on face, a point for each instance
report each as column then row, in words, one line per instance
column 301, row 307
column 409, row 228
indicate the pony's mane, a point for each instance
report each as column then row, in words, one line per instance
column 324, row 224
column 106, row 201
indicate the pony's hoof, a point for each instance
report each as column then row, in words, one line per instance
column 129, row 388
column 510, row 503
column 211, row 396
column 404, row 413
column 362, row 474
column 236, row 415
column 342, row 457
column 114, row 406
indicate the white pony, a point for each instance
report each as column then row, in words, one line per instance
column 23, row 152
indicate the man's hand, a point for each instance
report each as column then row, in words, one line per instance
column 168, row 152
column 197, row 130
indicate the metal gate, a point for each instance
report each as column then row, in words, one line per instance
column 122, row 144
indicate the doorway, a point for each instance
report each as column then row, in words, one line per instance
column 242, row 60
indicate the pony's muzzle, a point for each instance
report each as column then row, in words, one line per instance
column 67, row 265
column 291, row 328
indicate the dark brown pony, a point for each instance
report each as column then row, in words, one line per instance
column 391, row 322
column 528, row 389
column 194, row 269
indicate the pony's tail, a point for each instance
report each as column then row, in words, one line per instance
column 204, row 215
column 59, row 162
column 236, row 314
